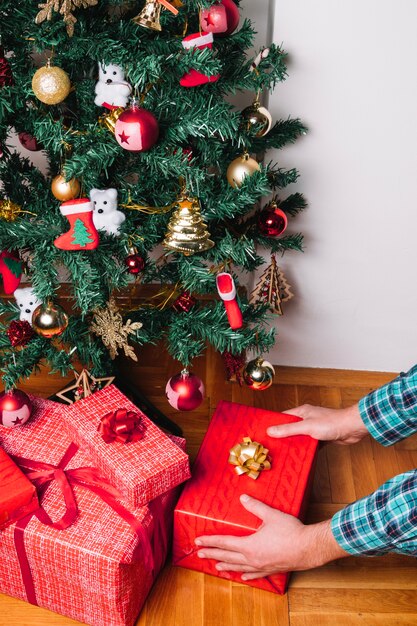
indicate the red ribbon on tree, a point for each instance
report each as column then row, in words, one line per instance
column 121, row 425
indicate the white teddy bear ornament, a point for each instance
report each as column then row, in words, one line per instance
column 112, row 91
column 105, row 213
column 27, row 302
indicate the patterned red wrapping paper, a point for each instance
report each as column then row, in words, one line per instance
column 95, row 571
column 17, row 494
column 210, row 504
column 141, row 470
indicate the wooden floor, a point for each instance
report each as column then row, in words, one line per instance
column 351, row 592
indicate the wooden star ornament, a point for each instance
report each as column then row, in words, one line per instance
column 85, row 385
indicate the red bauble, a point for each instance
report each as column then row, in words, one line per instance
column 29, row 142
column 232, row 16
column 184, row 302
column 134, row 263
column 15, row 408
column 137, row 129
column 214, row 19
column 185, row 391
column 20, row 332
column 272, row 221
column 6, row 76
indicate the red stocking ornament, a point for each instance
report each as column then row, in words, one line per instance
column 10, row 270
column 193, row 78
column 227, row 292
column 82, row 234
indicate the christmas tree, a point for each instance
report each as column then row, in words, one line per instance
column 184, row 163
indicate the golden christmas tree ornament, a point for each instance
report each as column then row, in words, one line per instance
column 257, row 119
column 108, row 324
column 258, row 374
column 50, row 84
column 108, row 120
column 241, row 167
column 65, row 8
column 272, row 288
column 187, row 231
column 49, row 320
column 64, row 190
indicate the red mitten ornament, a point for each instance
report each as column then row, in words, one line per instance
column 193, row 78
column 10, row 270
column 82, row 234
column 227, row 292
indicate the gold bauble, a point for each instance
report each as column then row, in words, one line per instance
column 51, row 84
column 64, row 190
column 241, row 167
column 9, row 211
column 49, row 320
column 258, row 374
column 257, row 118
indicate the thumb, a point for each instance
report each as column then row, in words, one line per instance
column 287, row 430
column 258, row 508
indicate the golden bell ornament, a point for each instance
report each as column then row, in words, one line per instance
column 257, row 119
column 150, row 16
column 258, row 374
column 49, row 320
column 108, row 120
column 50, row 84
column 241, row 167
column 187, row 231
column 64, row 190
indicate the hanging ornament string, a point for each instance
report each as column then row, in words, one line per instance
column 149, row 210
column 9, row 211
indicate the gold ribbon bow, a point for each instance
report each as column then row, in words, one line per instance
column 250, row 458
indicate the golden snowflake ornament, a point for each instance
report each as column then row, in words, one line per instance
column 66, row 8
column 108, row 324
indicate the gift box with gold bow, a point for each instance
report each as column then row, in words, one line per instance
column 238, row 457
column 129, row 449
column 83, row 553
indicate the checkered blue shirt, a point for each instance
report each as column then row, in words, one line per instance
column 385, row 521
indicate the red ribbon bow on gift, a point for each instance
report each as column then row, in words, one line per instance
column 121, row 425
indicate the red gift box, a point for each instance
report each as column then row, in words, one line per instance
column 17, row 494
column 141, row 470
column 99, row 568
column 210, row 501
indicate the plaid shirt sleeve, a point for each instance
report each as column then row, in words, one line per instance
column 385, row 521
column 390, row 412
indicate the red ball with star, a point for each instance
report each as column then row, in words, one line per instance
column 221, row 18
column 185, row 391
column 15, row 408
column 137, row 129
column 272, row 221
column 29, row 142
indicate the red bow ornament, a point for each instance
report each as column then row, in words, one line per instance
column 121, row 425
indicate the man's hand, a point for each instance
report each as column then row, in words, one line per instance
column 342, row 426
column 281, row 544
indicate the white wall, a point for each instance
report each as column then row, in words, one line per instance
column 352, row 79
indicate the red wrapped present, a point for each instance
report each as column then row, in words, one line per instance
column 210, row 501
column 129, row 449
column 17, row 494
column 82, row 553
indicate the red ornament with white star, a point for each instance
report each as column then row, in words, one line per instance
column 185, row 391
column 15, row 408
column 136, row 129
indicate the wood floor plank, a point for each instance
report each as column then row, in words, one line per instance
column 357, row 577
column 364, row 600
column 354, row 619
column 330, row 397
column 363, row 468
column 341, row 473
column 321, row 491
column 217, row 601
